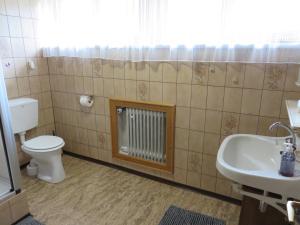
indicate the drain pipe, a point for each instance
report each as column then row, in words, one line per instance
column 22, row 137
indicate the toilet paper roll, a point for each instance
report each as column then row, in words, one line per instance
column 86, row 101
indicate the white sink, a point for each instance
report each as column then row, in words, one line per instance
column 254, row 161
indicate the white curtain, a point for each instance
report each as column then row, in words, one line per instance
column 200, row 30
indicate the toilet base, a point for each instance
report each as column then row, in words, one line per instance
column 50, row 167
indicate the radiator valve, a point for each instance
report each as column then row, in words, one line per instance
column 121, row 110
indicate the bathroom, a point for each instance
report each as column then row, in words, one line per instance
column 73, row 80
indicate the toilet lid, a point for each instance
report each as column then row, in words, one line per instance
column 43, row 142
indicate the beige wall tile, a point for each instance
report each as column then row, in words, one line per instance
column 79, row 88
column 235, row 74
column 254, row 76
column 217, row 74
column 119, row 86
column 232, row 100
column 271, row 103
column 170, row 72
column 180, row 175
column 211, row 143
column 156, row 91
column 8, row 66
column 181, row 138
column 107, row 124
column 208, row 183
column 108, row 87
column 195, row 162
column 97, row 68
column 143, row 71
column 185, row 72
column 99, row 105
column 275, row 76
column 183, row 95
column 196, row 141
column 143, row 90
column 248, row 124
column 23, row 86
column 92, row 138
column 223, row 187
column 130, row 71
column 18, row 206
column 107, row 68
column 251, row 101
column 131, row 89
column 98, row 86
column 45, row 84
column 230, row 123
column 197, row 120
column 193, row 179
column 198, row 96
column 169, row 93
column 215, row 98
column 200, row 73
column 119, row 69
column 156, row 71
column 182, row 117
column 181, row 159
column 5, row 213
column 94, row 152
column 88, row 85
column 11, row 87
column 209, row 165
column 87, row 67
column 213, row 121
column 100, row 123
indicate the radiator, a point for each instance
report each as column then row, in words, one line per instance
column 142, row 134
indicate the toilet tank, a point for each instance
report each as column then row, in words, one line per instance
column 24, row 114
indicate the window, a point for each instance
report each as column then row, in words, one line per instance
column 169, row 29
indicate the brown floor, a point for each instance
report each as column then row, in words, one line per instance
column 93, row 194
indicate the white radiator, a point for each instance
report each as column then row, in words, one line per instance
column 142, row 134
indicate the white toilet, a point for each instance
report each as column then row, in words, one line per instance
column 45, row 150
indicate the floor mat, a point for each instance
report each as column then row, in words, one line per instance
column 29, row 220
column 178, row 216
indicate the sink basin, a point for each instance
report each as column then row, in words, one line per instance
column 254, row 161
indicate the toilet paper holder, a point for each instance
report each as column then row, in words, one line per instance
column 86, row 100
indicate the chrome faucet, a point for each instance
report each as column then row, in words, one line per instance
column 291, row 140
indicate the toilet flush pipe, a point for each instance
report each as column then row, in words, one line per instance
column 22, row 137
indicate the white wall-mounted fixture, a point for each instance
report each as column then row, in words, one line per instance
column 253, row 161
column 86, row 101
column 292, row 107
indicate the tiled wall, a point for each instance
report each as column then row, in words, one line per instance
column 212, row 101
column 18, row 45
column 13, row 208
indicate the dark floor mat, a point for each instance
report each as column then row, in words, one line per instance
column 29, row 220
column 178, row 216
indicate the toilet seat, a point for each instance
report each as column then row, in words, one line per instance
column 43, row 143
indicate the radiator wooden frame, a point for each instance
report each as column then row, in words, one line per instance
column 170, row 111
